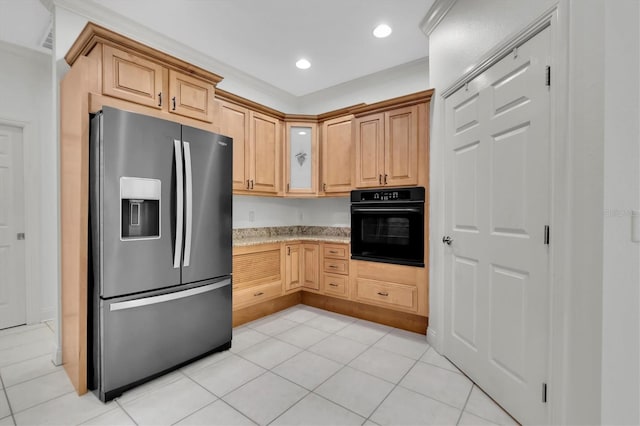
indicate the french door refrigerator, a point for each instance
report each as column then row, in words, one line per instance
column 160, row 276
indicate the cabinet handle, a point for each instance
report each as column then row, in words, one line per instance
column 380, row 179
column 160, row 99
column 288, row 186
column 333, row 285
column 247, row 183
column 333, row 267
column 324, row 186
column 258, row 294
column 383, row 293
column 251, row 183
column 333, row 251
column 288, row 251
column 174, row 102
column 385, row 179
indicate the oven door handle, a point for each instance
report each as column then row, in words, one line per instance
column 386, row 210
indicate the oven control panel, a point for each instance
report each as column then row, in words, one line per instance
column 399, row 194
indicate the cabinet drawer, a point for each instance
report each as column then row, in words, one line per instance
column 392, row 295
column 336, row 266
column 132, row 78
column 336, row 251
column 336, row 285
column 257, row 294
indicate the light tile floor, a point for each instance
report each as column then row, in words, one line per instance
column 301, row 366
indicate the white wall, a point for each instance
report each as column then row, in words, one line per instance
column 621, row 276
column 25, row 80
column 401, row 80
column 258, row 212
column 595, row 370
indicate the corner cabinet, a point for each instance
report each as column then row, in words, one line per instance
column 301, row 266
column 301, row 159
column 386, row 148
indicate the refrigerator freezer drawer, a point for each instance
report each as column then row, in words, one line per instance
column 146, row 336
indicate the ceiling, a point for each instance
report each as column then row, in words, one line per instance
column 264, row 38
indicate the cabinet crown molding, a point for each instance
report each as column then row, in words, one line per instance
column 93, row 34
column 399, row 102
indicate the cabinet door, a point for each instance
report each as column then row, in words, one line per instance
column 132, row 78
column 301, row 158
column 264, row 154
column 401, row 147
column 337, row 166
column 190, row 96
column 369, row 139
column 234, row 122
column 293, row 270
column 310, row 261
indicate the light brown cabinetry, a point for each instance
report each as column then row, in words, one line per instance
column 337, row 155
column 390, row 286
column 256, row 148
column 310, row 266
column 386, row 148
column 293, row 271
column 335, row 270
column 135, row 78
column 257, row 274
column 301, row 266
column 301, row 159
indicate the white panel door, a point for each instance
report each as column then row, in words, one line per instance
column 497, row 206
column 12, row 266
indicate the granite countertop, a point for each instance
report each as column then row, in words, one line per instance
column 255, row 236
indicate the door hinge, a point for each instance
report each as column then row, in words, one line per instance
column 547, row 235
column 548, row 76
column 20, row 236
column 544, row 392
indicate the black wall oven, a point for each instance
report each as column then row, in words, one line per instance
column 388, row 225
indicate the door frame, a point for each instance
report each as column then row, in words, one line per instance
column 31, row 178
column 557, row 18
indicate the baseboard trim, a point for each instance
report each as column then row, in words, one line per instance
column 253, row 312
column 403, row 320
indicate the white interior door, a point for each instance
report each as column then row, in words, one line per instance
column 12, row 266
column 497, row 206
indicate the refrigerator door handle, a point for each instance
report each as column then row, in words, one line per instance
column 153, row 300
column 189, row 203
column 177, row 145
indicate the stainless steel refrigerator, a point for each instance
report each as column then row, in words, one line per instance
column 160, row 242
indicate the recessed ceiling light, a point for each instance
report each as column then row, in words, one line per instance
column 303, row 64
column 382, row 31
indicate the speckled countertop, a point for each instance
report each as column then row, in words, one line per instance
column 255, row 236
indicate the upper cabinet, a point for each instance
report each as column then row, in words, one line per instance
column 134, row 78
column 386, row 148
column 337, row 156
column 257, row 146
column 301, row 158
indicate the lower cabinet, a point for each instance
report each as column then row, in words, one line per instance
column 257, row 274
column 268, row 271
column 301, row 266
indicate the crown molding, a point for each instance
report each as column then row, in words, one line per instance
column 435, row 14
column 127, row 27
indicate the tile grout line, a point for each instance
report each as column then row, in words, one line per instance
column 4, row 391
column 125, row 411
column 465, row 403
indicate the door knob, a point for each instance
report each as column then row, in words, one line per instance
column 447, row 240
